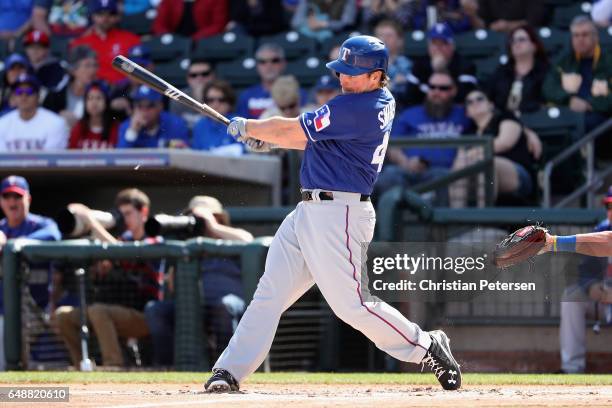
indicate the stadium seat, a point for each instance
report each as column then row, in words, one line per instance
column 224, row 47
column 168, row 47
column 295, row 44
column 605, row 39
column 415, row 44
column 173, row 72
column 558, row 128
column 241, row 73
column 140, row 23
column 486, row 67
column 480, row 44
column 562, row 16
column 554, row 40
column 307, row 70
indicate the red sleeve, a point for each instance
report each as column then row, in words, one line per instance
column 163, row 22
column 75, row 133
column 214, row 17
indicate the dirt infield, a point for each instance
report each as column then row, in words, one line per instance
column 309, row 395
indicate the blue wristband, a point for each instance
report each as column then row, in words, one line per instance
column 566, row 243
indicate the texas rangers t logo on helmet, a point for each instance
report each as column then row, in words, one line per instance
column 345, row 54
column 321, row 119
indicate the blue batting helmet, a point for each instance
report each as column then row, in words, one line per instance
column 359, row 55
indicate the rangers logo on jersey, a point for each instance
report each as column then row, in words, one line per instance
column 321, row 119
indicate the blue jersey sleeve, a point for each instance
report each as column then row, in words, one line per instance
column 122, row 142
column 333, row 121
column 48, row 231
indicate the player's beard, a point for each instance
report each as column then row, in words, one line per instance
column 437, row 110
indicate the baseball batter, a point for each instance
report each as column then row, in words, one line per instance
column 344, row 145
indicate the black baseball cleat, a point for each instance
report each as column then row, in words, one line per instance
column 440, row 360
column 221, row 381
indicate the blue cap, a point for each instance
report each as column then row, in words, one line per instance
column 144, row 93
column 26, row 78
column 14, row 59
column 140, row 54
column 14, row 184
column 97, row 6
column 441, row 31
column 327, row 82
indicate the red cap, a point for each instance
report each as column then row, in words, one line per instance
column 36, row 37
column 608, row 198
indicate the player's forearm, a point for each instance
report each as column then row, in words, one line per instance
column 283, row 132
column 593, row 244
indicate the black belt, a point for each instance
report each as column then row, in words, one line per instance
column 327, row 196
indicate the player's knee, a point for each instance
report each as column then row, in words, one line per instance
column 97, row 311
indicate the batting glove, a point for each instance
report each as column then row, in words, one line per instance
column 258, row 146
column 237, row 129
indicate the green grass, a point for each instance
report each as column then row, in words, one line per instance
column 38, row 377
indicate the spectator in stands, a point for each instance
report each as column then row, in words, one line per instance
column 507, row 15
column 199, row 74
column 121, row 91
column 60, row 17
column 326, row 88
column 196, row 19
column 441, row 57
column 321, row 19
column 581, row 77
column 400, row 67
column 123, row 289
column 211, row 135
column 438, row 117
column 19, row 222
column 590, row 297
column 256, row 17
column 68, row 100
column 47, row 68
column 286, row 95
column 14, row 18
column 601, row 13
column 270, row 65
column 221, row 284
column 14, row 66
column 513, row 161
column 105, row 38
column 150, row 126
column 377, row 10
column 517, row 85
column 98, row 129
column 460, row 16
column 30, row 127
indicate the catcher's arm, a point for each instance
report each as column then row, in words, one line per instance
column 593, row 243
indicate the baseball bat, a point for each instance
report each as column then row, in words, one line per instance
column 146, row 77
column 86, row 364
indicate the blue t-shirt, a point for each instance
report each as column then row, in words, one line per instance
column 253, row 101
column 347, row 141
column 33, row 227
column 415, row 122
column 171, row 127
column 14, row 13
column 208, row 134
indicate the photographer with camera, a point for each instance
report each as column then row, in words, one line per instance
column 221, row 280
column 121, row 289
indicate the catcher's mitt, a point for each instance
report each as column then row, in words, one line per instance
column 519, row 246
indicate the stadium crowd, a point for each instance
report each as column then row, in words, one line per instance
column 80, row 102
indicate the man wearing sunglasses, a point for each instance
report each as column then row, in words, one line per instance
column 31, row 127
column 15, row 202
column 199, row 73
column 253, row 101
column 323, row 240
column 149, row 125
